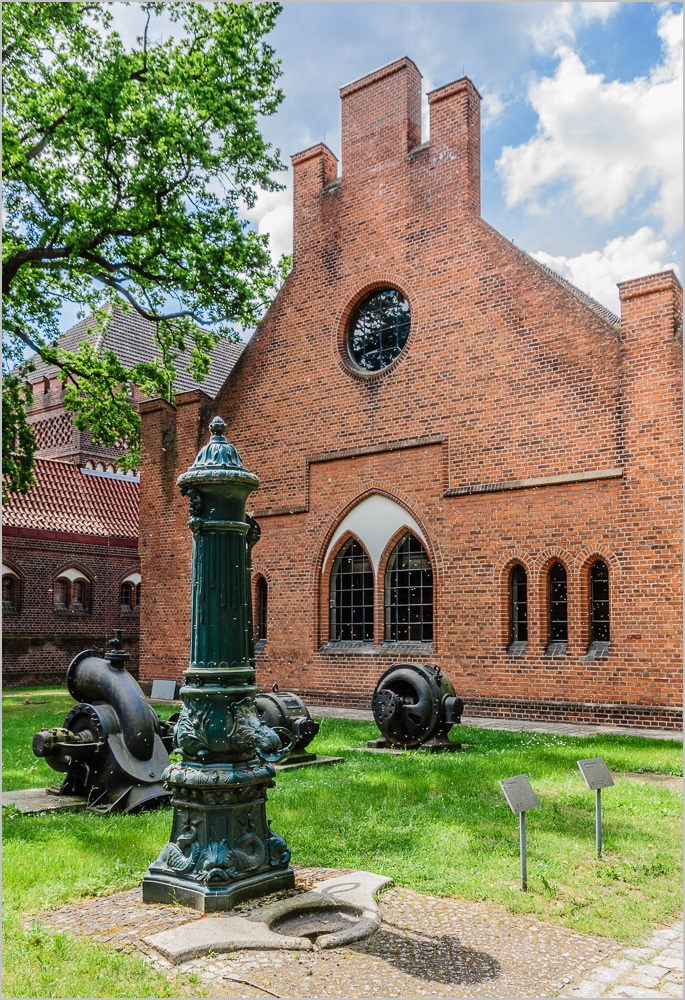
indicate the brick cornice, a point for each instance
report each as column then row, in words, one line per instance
column 69, row 536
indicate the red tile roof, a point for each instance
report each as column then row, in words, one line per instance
column 67, row 498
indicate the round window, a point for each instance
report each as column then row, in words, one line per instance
column 378, row 330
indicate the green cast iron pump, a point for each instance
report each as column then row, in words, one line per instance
column 222, row 849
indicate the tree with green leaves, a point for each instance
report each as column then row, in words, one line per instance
column 125, row 170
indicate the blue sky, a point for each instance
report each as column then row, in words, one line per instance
column 581, row 117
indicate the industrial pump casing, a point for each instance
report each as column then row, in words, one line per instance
column 414, row 705
column 113, row 746
column 287, row 714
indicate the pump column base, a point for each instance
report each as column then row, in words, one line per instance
column 178, row 892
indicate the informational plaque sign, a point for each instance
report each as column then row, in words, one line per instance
column 163, row 690
column 519, row 793
column 596, row 773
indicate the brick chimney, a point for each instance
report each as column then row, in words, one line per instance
column 384, row 165
column 455, row 141
column 313, row 169
column 381, row 118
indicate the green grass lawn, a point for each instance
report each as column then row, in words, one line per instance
column 436, row 823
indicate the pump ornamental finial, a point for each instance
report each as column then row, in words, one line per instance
column 217, row 427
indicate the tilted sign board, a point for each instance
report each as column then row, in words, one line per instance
column 521, row 798
column 596, row 773
column 519, row 793
column 597, row 777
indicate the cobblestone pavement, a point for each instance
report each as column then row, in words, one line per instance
column 655, row 970
column 426, row 947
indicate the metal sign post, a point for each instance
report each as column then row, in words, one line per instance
column 597, row 777
column 521, row 798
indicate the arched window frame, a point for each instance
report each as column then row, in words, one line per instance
column 11, row 591
column 557, row 609
column 518, row 609
column 599, row 594
column 261, row 609
column 129, row 594
column 72, row 592
column 419, row 613
column 351, row 620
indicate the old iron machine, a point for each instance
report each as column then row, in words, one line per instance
column 222, row 849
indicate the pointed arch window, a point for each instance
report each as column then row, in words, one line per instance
column 129, row 593
column 518, row 605
column 409, row 593
column 72, row 592
column 558, row 603
column 11, row 591
column 599, row 602
column 351, row 595
column 262, row 599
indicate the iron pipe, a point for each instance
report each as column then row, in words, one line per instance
column 92, row 678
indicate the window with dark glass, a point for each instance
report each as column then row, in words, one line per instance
column 10, row 593
column 599, row 602
column 518, row 605
column 409, row 593
column 71, row 595
column 558, row 604
column 62, row 594
column 127, row 598
column 262, row 598
column 378, row 330
column 78, row 595
column 351, row 596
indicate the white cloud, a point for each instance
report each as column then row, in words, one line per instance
column 492, row 106
column 558, row 23
column 597, row 272
column 273, row 214
column 613, row 141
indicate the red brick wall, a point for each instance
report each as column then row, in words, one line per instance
column 38, row 641
column 506, row 377
column 173, row 436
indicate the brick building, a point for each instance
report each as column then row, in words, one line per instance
column 464, row 460
column 71, row 570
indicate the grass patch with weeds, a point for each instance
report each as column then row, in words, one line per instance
column 437, row 823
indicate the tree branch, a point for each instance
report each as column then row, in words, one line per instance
column 39, row 146
column 153, row 317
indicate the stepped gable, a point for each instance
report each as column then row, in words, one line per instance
column 130, row 337
column 66, row 498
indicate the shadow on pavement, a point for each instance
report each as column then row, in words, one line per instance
column 436, row 959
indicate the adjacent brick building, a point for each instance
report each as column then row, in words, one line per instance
column 464, row 459
column 71, row 571
column 70, row 556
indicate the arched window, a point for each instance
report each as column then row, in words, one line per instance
column 599, row 602
column 11, row 590
column 518, row 605
column 262, row 598
column 409, row 593
column 71, row 591
column 129, row 593
column 351, row 596
column 558, row 604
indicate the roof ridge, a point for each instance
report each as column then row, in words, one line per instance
column 584, row 298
